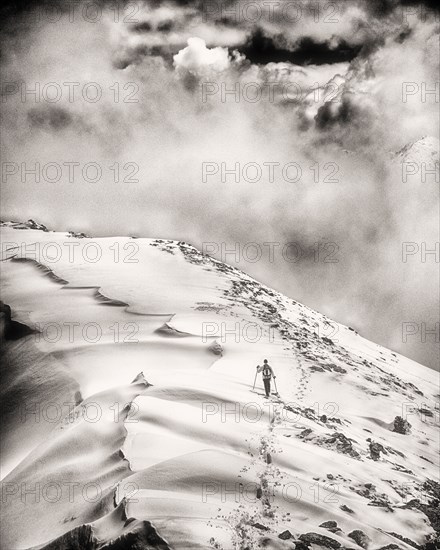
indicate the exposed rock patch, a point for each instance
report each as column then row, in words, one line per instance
column 331, row 526
column 360, row 538
column 401, row 426
column 321, row 540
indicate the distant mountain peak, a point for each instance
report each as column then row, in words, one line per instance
column 30, row 224
column 426, row 149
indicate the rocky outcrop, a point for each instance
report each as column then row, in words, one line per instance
column 139, row 534
column 401, row 426
column 375, row 449
column 345, row 508
column 81, row 537
column 430, row 509
column 216, row 348
column 360, row 538
column 368, row 490
column 331, row 526
column 9, row 329
column 321, row 540
column 343, row 444
column 78, row 235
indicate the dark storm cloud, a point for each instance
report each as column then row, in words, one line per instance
column 12, row 10
column 138, row 54
column 345, row 113
column 165, row 26
column 262, row 49
column 385, row 7
column 50, row 117
column 433, row 5
column 145, row 26
column 401, row 37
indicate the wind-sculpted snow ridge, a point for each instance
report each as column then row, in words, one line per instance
column 188, row 454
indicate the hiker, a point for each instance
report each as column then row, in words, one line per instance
column 267, row 371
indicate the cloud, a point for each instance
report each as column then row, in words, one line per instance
column 306, row 51
column 199, row 60
column 55, row 118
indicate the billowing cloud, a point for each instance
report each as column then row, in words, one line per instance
column 199, row 60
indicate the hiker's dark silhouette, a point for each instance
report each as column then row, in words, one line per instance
column 267, row 373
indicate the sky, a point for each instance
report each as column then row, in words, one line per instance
column 295, row 139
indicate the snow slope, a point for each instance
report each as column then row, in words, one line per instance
column 423, row 151
column 129, row 419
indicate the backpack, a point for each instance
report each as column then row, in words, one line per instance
column 266, row 372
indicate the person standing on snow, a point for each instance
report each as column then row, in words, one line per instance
column 267, row 372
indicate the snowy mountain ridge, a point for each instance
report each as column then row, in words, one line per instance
column 130, row 418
